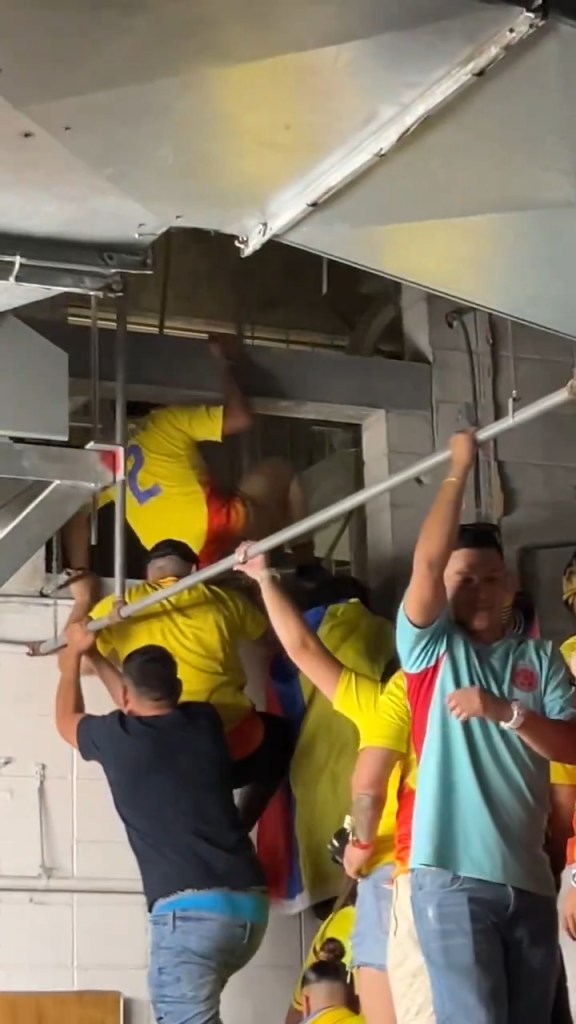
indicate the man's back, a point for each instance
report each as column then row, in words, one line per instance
column 202, row 628
column 167, row 483
column 170, row 779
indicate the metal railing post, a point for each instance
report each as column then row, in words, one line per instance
column 94, row 402
column 120, row 437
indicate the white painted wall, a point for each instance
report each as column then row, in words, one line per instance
column 51, row 941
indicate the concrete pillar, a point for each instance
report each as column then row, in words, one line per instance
column 391, row 442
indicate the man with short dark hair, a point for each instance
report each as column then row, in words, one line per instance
column 168, row 769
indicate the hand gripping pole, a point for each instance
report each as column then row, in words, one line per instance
column 340, row 508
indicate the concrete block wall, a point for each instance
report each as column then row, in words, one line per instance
column 537, row 462
column 52, row 940
column 535, row 483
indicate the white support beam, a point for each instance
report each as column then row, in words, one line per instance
column 383, row 135
column 309, row 384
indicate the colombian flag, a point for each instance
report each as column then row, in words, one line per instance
column 294, row 831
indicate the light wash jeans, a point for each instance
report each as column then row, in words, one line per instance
column 193, row 954
column 372, row 919
column 491, row 950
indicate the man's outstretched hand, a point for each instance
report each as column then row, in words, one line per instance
column 463, row 449
column 252, row 567
column 225, row 348
column 78, row 638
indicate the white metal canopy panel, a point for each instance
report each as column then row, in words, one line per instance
column 480, row 204
column 120, row 118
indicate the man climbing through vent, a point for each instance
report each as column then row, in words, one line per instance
column 168, row 769
column 203, row 628
column 169, row 492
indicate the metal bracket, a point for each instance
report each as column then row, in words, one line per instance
column 97, row 465
column 40, row 772
column 69, row 266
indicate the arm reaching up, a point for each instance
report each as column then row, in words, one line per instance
column 237, row 415
column 69, row 700
column 426, row 597
column 300, row 643
column 109, row 674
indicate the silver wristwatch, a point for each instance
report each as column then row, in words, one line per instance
column 573, row 875
column 518, row 716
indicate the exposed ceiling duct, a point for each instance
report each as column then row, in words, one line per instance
column 211, row 115
column 41, row 485
column 480, row 204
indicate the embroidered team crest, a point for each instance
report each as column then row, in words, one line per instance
column 525, row 679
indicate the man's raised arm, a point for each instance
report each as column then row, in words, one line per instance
column 69, row 710
column 237, row 415
column 426, row 597
column 300, row 643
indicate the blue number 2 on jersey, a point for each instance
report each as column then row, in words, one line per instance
column 136, row 455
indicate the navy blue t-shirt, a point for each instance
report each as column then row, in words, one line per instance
column 170, row 777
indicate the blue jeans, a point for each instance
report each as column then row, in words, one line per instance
column 491, row 950
column 372, row 919
column 193, row 954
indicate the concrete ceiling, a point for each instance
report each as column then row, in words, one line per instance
column 120, row 119
column 480, row 203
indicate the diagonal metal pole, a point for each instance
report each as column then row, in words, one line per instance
column 335, row 511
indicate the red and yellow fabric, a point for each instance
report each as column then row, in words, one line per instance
column 565, row 774
column 168, row 490
column 337, row 926
column 202, row 628
column 335, row 1015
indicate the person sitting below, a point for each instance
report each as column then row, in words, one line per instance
column 325, row 989
column 336, row 928
column 203, row 627
column 169, row 491
column 168, row 770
